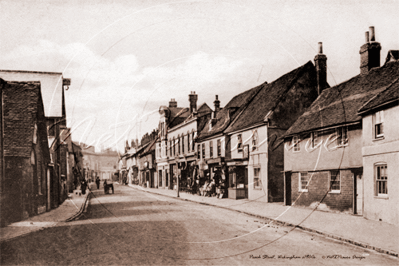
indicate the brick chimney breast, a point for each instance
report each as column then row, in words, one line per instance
column 369, row 53
column 192, row 98
column 320, row 61
column 172, row 103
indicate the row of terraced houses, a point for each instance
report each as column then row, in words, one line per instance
column 295, row 140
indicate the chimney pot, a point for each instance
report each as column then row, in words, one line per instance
column 192, row 98
column 372, row 34
column 369, row 53
column 320, row 61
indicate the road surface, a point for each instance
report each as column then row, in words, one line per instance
column 132, row 227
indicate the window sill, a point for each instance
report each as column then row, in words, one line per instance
column 303, row 190
column 296, row 151
column 334, row 192
column 378, row 138
column 381, row 197
column 257, row 188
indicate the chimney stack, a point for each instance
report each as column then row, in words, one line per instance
column 216, row 104
column 320, row 61
column 369, row 53
column 172, row 103
column 192, row 98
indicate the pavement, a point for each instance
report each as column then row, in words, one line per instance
column 70, row 209
column 353, row 229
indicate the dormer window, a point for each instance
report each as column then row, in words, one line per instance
column 239, row 142
column 378, row 118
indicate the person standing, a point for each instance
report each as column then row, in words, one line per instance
column 83, row 186
column 98, row 182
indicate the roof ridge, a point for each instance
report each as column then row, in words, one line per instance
column 376, row 95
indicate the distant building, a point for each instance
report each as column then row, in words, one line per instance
column 26, row 181
column 102, row 164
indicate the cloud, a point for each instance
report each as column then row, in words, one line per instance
column 114, row 90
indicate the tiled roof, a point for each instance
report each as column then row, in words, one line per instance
column 389, row 95
column 229, row 112
column 177, row 115
column 23, row 107
column 268, row 98
column 51, row 87
column 340, row 104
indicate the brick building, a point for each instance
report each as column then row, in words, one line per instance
column 25, row 178
column 323, row 160
column 52, row 90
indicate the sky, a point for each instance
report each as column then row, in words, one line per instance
column 126, row 58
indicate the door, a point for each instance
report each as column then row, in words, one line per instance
column 359, row 194
column 287, row 188
column 246, row 181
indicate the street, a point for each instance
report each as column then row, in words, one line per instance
column 133, row 227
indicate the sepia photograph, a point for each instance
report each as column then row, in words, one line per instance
column 199, row 132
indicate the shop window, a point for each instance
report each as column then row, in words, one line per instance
column 303, row 181
column 254, row 140
column 160, row 179
column 257, row 181
column 203, row 150
column 178, row 145
column 378, row 119
column 342, row 136
column 381, row 180
column 295, row 141
column 314, row 139
column 335, row 181
column 219, row 147
column 239, row 142
column 211, row 148
column 198, row 151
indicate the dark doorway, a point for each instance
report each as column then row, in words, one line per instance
column 287, row 185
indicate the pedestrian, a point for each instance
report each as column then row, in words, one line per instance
column 106, row 188
column 98, row 182
column 83, row 186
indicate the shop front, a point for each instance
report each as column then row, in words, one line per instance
column 238, row 182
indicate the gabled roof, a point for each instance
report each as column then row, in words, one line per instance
column 229, row 112
column 51, row 87
column 149, row 148
column 23, row 107
column 338, row 105
column 393, row 55
column 177, row 115
column 389, row 95
column 268, row 98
